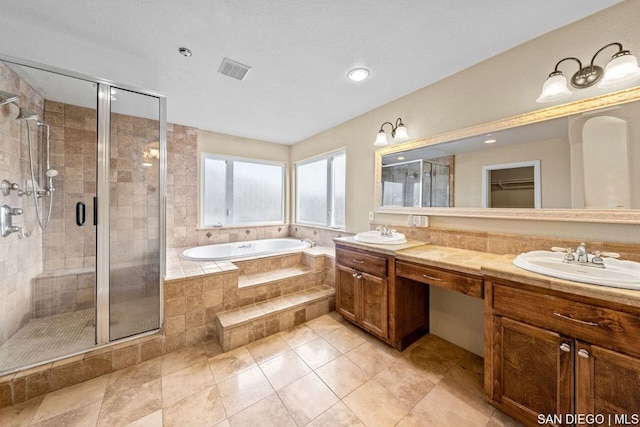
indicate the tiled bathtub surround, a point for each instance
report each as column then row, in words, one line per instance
column 20, row 259
column 202, row 290
column 322, row 236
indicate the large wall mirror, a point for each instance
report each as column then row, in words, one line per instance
column 587, row 155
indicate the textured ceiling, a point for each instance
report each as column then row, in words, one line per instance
column 299, row 51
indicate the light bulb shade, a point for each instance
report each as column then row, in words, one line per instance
column 621, row 70
column 401, row 133
column 381, row 139
column 554, row 88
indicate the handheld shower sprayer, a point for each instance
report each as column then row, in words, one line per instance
column 50, row 173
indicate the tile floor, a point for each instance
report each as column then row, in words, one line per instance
column 325, row 372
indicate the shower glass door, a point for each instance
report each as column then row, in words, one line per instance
column 134, row 213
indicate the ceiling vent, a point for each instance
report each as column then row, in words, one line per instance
column 233, row 69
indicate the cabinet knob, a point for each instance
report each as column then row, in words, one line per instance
column 583, row 353
column 565, row 347
column 354, row 274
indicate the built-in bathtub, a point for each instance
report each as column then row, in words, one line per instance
column 236, row 250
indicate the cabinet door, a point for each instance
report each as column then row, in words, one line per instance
column 374, row 304
column 532, row 370
column 346, row 292
column 608, row 384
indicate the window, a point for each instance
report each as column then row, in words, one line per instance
column 241, row 191
column 320, row 190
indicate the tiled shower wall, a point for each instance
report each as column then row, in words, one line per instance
column 73, row 154
column 20, row 259
column 134, row 212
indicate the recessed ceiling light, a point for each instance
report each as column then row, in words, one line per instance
column 489, row 141
column 358, row 74
column 401, row 158
column 185, row 52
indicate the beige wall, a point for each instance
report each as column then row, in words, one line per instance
column 499, row 87
column 502, row 86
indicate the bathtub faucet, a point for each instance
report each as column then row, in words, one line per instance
column 311, row 243
column 245, row 246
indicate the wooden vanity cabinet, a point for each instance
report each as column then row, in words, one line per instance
column 362, row 299
column 550, row 354
column 466, row 284
column 368, row 295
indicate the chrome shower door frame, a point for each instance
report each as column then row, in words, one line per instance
column 103, row 190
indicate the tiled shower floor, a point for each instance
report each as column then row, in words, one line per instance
column 62, row 334
column 48, row 338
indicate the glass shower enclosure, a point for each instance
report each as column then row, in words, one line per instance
column 84, row 163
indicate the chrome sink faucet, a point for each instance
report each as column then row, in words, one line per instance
column 581, row 256
column 385, row 230
column 581, row 253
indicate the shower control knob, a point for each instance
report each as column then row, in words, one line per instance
column 7, row 187
column 15, row 211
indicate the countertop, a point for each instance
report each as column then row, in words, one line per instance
column 504, row 269
column 498, row 266
column 381, row 249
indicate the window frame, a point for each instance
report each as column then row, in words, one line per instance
column 229, row 160
column 329, row 223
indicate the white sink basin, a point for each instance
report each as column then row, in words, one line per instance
column 617, row 274
column 375, row 237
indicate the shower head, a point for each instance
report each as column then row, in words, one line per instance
column 27, row 114
column 6, row 97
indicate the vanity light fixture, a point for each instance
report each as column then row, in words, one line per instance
column 398, row 133
column 621, row 70
column 358, row 74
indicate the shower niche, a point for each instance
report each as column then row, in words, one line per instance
column 82, row 163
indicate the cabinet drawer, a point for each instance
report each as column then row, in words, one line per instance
column 460, row 282
column 599, row 325
column 366, row 263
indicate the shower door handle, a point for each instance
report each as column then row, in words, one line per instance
column 81, row 214
column 95, row 211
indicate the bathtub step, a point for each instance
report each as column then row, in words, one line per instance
column 259, row 287
column 256, row 321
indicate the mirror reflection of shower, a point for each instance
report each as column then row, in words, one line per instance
column 40, row 185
